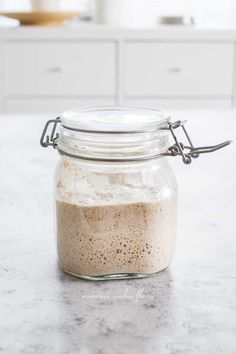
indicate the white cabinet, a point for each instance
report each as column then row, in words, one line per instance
column 53, row 69
column 60, row 68
column 178, row 69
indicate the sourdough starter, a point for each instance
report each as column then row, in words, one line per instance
column 135, row 237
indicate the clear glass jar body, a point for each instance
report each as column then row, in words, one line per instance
column 115, row 219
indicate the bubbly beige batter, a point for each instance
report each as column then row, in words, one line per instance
column 114, row 239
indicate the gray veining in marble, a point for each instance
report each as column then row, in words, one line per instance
column 188, row 309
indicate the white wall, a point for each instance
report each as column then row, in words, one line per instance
column 206, row 12
column 145, row 12
column 25, row 4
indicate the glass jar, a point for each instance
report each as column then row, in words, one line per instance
column 115, row 192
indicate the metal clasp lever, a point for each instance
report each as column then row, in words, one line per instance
column 51, row 139
column 192, row 152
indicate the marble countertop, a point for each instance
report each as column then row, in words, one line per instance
column 188, row 309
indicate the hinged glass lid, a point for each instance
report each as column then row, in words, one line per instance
column 114, row 120
column 113, row 127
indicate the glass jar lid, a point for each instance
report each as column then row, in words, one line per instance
column 113, row 133
column 114, row 120
column 120, row 134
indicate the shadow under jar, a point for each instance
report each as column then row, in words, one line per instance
column 115, row 192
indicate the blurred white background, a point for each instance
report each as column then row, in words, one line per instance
column 80, row 62
column 206, row 12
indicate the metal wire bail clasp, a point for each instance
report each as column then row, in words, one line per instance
column 189, row 151
column 51, row 139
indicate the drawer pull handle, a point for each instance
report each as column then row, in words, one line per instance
column 54, row 69
column 174, row 70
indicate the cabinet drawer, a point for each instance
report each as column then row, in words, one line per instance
column 178, row 69
column 62, row 68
